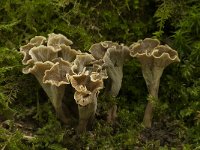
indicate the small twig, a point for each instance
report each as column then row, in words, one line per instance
column 29, row 138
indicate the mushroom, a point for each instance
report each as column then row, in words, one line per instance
column 113, row 56
column 81, row 62
column 36, row 60
column 114, row 59
column 56, row 40
column 43, row 53
column 153, row 58
column 87, row 80
column 34, row 42
column 58, row 74
column 85, row 85
column 98, row 50
column 67, row 53
column 51, row 71
column 57, row 78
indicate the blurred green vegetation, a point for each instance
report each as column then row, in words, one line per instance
column 25, row 110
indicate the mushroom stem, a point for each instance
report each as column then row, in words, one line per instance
column 112, row 114
column 112, row 90
column 152, row 79
column 56, row 99
column 55, row 95
column 86, row 115
column 116, row 75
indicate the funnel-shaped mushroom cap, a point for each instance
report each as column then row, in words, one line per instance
column 86, row 87
column 82, row 62
column 86, row 82
column 147, row 44
column 58, row 74
column 99, row 75
column 43, row 53
column 56, row 40
column 111, row 53
column 98, row 50
column 84, row 99
column 150, row 53
column 54, row 93
column 167, row 54
column 67, row 53
column 38, row 69
column 114, row 60
column 36, row 41
column 115, row 56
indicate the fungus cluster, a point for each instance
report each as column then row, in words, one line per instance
column 56, row 65
column 46, row 59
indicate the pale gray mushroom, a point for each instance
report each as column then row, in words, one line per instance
column 98, row 50
column 82, row 62
column 114, row 60
column 87, row 80
column 153, row 58
column 59, row 72
column 67, row 53
column 51, row 72
column 85, row 86
column 113, row 56
column 43, row 53
column 57, row 78
column 87, row 90
column 38, row 70
column 56, row 40
column 34, row 42
column 55, row 93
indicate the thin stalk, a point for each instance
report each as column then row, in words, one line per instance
column 152, row 78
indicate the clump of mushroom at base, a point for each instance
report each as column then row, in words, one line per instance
column 43, row 59
column 56, row 65
column 153, row 58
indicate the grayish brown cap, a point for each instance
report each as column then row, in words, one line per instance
column 67, row 53
column 113, row 57
column 87, row 78
column 144, row 46
column 54, row 92
column 150, row 53
column 58, row 74
column 43, row 53
column 86, row 87
column 87, row 82
column 36, row 41
column 83, row 99
column 116, row 56
column 56, row 40
column 38, row 68
column 82, row 62
column 98, row 75
column 98, row 50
